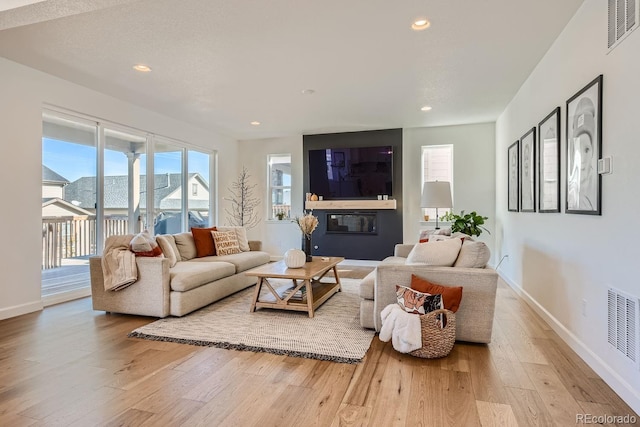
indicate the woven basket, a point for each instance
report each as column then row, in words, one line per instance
column 436, row 341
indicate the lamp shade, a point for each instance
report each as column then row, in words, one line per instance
column 436, row 194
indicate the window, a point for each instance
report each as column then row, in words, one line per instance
column 95, row 184
column 279, row 169
column 437, row 165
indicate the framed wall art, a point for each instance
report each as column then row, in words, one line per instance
column 584, row 149
column 549, row 163
column 513, row 173
column 528, row 171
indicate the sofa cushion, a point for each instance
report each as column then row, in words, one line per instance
column 473, row 255
column 186, row 246
column 241, row 235
column 243, row 261
column 451, row 295
column 168, row 245
column 440, row 253
column 226, row 242
column 186, row 275
column 367, row 284
column 204, row 241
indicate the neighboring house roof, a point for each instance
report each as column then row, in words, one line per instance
column 51, row 177
column 73, row 209
column 116, row 193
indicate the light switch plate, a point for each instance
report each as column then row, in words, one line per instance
column 605, row 165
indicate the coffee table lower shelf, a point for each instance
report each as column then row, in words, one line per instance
column 321, row 292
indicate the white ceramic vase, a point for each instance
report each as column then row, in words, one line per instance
column 294, row 258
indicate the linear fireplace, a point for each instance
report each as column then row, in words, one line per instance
column 360, row 223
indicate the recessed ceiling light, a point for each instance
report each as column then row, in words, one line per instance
column 420, row 24
column 426, row 108
column 255, row 123
column 308, row 92
column 142, row 68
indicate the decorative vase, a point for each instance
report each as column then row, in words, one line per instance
column 294, row 258
column 306, row 246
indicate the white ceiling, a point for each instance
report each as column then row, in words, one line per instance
column 221, row 64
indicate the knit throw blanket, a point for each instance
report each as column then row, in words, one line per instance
column 118, row 263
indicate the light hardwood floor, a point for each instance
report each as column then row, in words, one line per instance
column 70, row 366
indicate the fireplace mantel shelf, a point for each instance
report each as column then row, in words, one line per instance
column 351, row 204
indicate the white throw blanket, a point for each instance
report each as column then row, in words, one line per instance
column 118, row 263
column 402, row 328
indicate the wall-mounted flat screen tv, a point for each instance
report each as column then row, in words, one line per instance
column 351, row 173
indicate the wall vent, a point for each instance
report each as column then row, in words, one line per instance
column 622, row 20
column 623, row 323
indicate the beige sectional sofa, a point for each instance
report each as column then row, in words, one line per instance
column 163, row 289
column 474, row 318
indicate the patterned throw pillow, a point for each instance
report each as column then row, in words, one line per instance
column 416, row 302
column 142, row 244
column 226, row 242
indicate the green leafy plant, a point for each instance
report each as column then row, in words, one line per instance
column 470, row 223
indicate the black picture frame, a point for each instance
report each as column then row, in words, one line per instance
column 513, row 177
column 549, row 163
column 528, row 171
column 584, row 149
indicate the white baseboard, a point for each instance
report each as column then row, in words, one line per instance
column 612, row 378
column 66, row 296
column 19, row 310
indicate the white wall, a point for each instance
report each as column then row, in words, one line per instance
column 474, row 166
column 473, row 174
column 276, row 236
column 559, row 260
column 24, row 91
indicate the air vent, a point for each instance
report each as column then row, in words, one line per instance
column 623, row 323
column 622, row 19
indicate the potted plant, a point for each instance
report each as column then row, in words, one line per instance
column 470, row 223
column 280, row 215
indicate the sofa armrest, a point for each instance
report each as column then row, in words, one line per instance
column 474, row 318
column 255, row 245
column 402, row 250
column 148, row 296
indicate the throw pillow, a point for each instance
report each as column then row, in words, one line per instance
column 204, row 241
column 426, row 235
column 142, row 242
column 186, row 246
column 438, row 253
column 416, row 302
column 451, row 295
column 473, row 255
column 241, row 235
column 168, row 245
column 152, row 253
column 226, row 242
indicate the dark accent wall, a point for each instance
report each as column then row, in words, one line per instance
column 389, row 221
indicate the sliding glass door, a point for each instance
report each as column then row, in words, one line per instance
column 95, row 185
column 69, row 198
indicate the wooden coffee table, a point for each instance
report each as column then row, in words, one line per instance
column 306, row 293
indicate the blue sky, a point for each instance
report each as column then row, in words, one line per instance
column 74, row 161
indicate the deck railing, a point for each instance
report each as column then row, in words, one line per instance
column 70, row 237
column 285, row 210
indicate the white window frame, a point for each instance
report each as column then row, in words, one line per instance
column 442, row 175
column 270, row 208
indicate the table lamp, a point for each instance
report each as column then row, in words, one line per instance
column 436, row 194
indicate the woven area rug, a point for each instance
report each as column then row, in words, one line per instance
column 334, row 333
